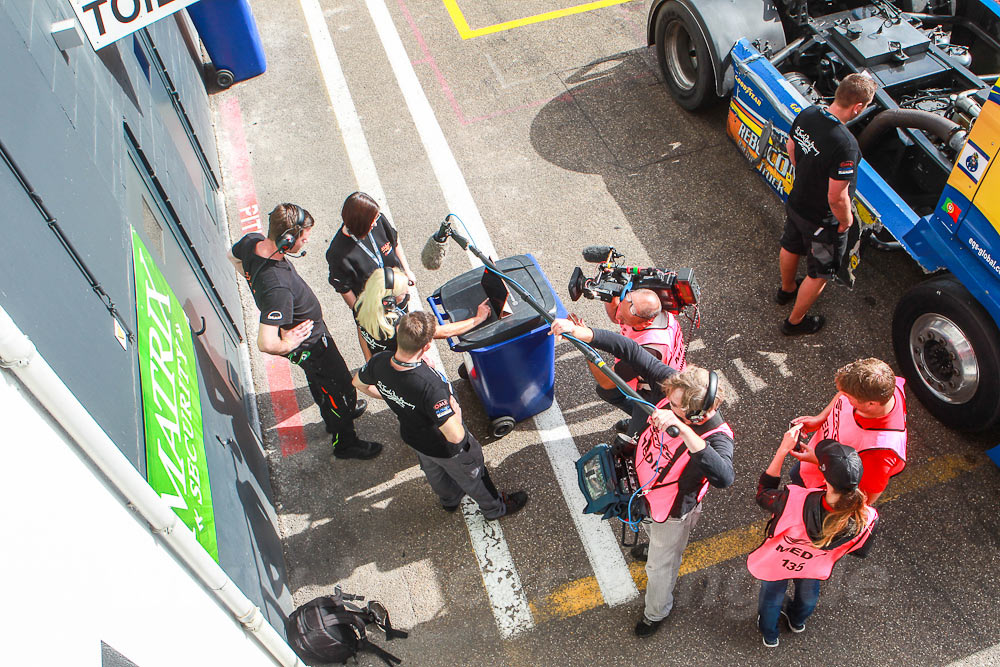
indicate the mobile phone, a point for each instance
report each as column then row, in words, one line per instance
column 803, row 439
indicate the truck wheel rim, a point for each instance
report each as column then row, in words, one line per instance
column 681, row 56
column 944, row 358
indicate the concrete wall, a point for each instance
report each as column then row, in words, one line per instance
column 100, row 139
column 85, row 571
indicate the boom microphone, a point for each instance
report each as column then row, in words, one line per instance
column 432, row 256
column 596, row 254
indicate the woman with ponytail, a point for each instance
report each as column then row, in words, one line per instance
column 809, row 531
column 381, row 304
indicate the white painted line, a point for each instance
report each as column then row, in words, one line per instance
column 728, row 390
column 696, row 345
column 778, row 359
column 598, row 539
column 500, row 578
column 449, row 176
column 754, row 382
column 503, row 585
column 988, row 657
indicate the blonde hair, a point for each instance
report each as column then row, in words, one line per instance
column 848, row 514
column 368, row 309
column 693, row 382
column 868, row 379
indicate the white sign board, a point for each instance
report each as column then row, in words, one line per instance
column 106, row 21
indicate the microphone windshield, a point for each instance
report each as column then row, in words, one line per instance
column 432, row 256
column 595, row 254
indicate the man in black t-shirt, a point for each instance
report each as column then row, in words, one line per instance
column 430, row 420
column 291, row 324
column 826, row 156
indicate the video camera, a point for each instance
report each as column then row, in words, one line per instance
column 677, row 289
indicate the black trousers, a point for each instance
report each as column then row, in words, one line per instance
column 330, row 384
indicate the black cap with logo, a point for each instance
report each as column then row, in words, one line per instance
column 841, row 466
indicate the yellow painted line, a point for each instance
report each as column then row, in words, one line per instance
column 576, row 597
column 466, row 32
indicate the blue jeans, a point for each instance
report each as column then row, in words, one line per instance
column 772, row 597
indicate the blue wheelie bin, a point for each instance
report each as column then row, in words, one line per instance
column 513, row 358
column 229, row 32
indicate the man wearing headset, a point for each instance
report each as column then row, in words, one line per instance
column 674, row 471
column 292, row 326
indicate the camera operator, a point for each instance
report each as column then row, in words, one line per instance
column 641, row 318
column 674, row 472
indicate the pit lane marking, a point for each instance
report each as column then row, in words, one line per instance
column 500, row 577
column 466, row 32
column 612, row 575
column 576, row 597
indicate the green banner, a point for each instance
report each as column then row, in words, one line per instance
column 171, row 407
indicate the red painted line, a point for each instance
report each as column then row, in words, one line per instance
column 281, row 388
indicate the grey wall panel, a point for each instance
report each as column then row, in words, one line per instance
column 42, row 290
column 62, row 120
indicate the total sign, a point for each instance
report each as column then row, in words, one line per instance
column 106, row 21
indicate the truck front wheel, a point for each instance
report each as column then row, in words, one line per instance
column 682, row 51
column 948, row 348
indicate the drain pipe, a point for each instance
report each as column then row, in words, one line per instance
column 18, row 354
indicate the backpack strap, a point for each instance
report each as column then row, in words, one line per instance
column 387, row 658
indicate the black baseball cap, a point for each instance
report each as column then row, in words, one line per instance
column 841, row 466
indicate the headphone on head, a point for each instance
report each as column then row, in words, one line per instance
column 698, row 416
column 291, row 236
column 389, row 300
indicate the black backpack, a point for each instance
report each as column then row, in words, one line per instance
column 329, row 629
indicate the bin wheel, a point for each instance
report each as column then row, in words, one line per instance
column 501, row 426
column 224, row 78
column 463, row 372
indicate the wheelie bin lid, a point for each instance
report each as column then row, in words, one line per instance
column 460, row 296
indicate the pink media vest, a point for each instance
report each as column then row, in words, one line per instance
column 842, row 425
column 789, row 553
column 665, row 335
column 666, row 468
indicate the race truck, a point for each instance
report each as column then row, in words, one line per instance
column 926, row 185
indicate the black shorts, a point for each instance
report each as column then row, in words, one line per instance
column 823, row 246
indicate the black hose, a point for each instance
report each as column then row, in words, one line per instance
column 915, row 119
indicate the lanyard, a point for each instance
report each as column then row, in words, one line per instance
column 375, row 256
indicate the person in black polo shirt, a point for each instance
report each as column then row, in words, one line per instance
column 291, row 324
column 430, row 420
column 825, row 155
column 365, row 242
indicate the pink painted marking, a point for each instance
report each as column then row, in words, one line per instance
column 281, row 388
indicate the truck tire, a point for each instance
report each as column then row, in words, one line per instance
column 684, row 58
column 948, row 348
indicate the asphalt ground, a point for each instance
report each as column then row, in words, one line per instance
column 566, row 137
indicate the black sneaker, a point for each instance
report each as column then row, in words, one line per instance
column 782, row 297
column 621, row 426
column 810, row 324
column 640, row 551
column 361, row 449
column 646, row 627
column 788, row 621
column 514, row 502
column 450, row 508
